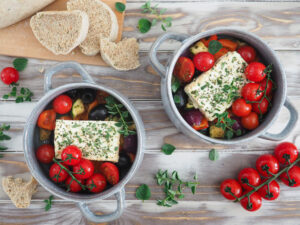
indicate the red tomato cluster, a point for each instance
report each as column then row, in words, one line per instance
column 267, row 170
column 82, row 169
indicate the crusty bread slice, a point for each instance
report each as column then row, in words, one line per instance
column 102, row 20
column 60, row 31
column 123, row 55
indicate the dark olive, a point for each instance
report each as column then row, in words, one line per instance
column 88, row 96
column 130, row 143
column 98, row 113
column 124, row 161
column 74, row 93
column 180, row 98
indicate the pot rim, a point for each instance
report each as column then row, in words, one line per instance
column 33, row 164
column 226, row 31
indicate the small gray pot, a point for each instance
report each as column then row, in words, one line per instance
column 31, row 135
column 267, row 54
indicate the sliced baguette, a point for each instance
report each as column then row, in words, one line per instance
column 60, row 31
column 102, row 20
column 123, row 55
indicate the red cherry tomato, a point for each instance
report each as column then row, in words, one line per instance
column 254, row 203
column 96, row 183
column 267, row 163
column 62, row 104
column 84, row 169
column 263, row 85
column 293, row 180
column 255, row 71
column 248, row 53
column 184, row 69
column 241, row 108
column 261, row 108
column 47, row 119
column 231, row 185
column 73, row 186
column 45, row 153
column 252, row 92
column 250, row 176
column 250, row 122
column 272, row 193
column 110, row 172
column 57, row 174
column 9, row 75
column 286, row 152
column 71, row 155
column 203, row 61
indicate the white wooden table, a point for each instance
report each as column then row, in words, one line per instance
column 278, row 23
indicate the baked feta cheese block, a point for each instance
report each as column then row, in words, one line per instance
column 98, row 140
column 214, row 91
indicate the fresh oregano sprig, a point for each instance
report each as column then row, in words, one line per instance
column 226, row 123
column 4, row 137
column 48, row 203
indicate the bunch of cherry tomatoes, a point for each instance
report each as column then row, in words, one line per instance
column 76, row 173
column 254, row 184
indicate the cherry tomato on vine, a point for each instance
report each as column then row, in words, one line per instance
column 71, row 155
column 293, row 180
column 47, row 119
column 251, row 121
column 263, row 85
column 267, row 163
column 45, row 153
column 9, row 75
column 286, row 151
column 252, row 92
column 73, row 186
column 254, row 202
column 261, row 108
column 84, row 169
column 241, row 108
column 62, row 104
column 248, row 53
column 110, row 172
column 255, row 71
column 231, row 185
column 184, row 69
column 96, row 183
column 272, row 193
column 57, row 174
column 203, row 61
column 250, row 176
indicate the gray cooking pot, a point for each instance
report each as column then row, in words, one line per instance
column 268, row 56
column 31, row 135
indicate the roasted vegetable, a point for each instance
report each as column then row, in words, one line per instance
column 88, row 96
column 78, row 108
column 180, row 98
column 216, row 132
column 198, row 47
column 44, row 134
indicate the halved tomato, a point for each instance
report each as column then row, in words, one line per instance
column 47, row 119
column 184, row 69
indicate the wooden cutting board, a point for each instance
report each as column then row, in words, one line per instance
column 18, row 39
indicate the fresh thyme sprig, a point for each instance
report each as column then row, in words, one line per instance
column 226, row 123
column 4, row 137
column 115, row 108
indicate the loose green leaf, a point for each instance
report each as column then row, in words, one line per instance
column 5, row 96
column 175, row 84
column 213, row 155
column 19, row 99
column 176, row 99
column 48, row 203
column 144, row 25
column 20, row 63
column 168, row 149
column 120, row 7
column 143, row 192
column 214, row 46
column 154, row 22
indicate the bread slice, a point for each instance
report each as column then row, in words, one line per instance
column 60, row 31
column 123, row 55
column 102, row 20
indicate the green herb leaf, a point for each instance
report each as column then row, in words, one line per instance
column 176, row 99
column 168, row 149
column 144, row 25
column 5, row 96
column 214, row 46
column 175, row 84
column 120, row 7
column 20, row 63
column 154, row 22
column 2, row 148
column 143, row 192
column 48, row 203
column 213, row 155
column 19, row 99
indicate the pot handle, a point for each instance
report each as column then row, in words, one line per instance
column 153, row 51
column 60, row 66
column 289, row 127
column 89, row 215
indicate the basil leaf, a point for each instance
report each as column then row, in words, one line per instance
column 175, row 84
column 168, row 149
column 20, row 63
column 120, row 7
column 214, row 46
column 143, row 192
column 144, row 25
column 213, row 155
